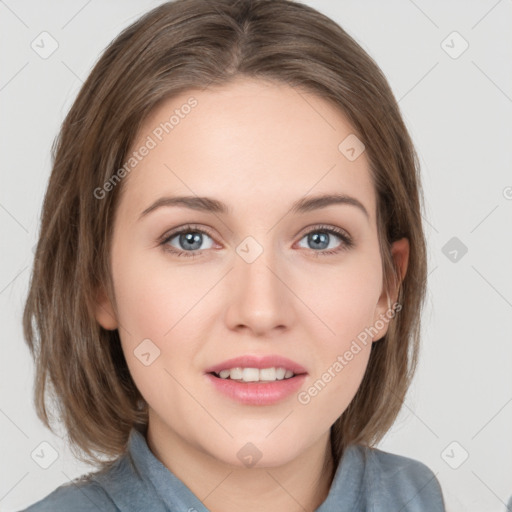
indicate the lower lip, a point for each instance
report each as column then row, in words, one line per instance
column 257, row 393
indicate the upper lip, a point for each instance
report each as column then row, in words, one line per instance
column 255, row 361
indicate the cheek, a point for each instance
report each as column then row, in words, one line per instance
column 345, row 305
column 155, row 307
column 152, row 296
column 344, row 299
column 342, row 353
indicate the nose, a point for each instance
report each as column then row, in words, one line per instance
column 260, row 299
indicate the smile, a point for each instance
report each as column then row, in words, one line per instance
column 255, row 374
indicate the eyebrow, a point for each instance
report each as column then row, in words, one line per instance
column 209, row 204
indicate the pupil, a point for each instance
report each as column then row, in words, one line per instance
column 316, row 239
column 190, row 238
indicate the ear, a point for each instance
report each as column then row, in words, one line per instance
column 104, row 313
column 400, row 255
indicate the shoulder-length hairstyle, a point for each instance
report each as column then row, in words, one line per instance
column 175, row 47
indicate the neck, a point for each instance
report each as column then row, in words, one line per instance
column 298, row 485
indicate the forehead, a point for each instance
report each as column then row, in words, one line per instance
column 249, row 143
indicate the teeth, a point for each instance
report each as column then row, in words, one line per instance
column 251, row 375
column 237, row 373
column 255, row 374
column 281, row 373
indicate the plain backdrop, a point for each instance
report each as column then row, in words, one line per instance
column 449, row 64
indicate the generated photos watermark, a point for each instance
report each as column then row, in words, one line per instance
column 361, row 340
column 151, row 142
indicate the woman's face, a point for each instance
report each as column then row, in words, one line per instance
column 258, row 277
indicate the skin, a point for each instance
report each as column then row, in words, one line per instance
column 258, row 147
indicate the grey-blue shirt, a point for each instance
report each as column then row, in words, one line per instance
column 366, row 479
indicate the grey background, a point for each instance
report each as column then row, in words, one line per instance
column 458, row 111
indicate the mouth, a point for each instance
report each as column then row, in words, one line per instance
column 256, row 375
column 257, row 368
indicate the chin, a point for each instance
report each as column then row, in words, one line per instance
column 255, row 454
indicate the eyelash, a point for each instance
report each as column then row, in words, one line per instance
column 347, row 242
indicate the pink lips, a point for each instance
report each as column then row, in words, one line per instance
column 253, row 361
column 257, row 393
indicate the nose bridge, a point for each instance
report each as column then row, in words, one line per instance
column 260, row 299
column 256, row 262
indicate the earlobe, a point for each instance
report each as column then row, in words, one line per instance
column 104, row 312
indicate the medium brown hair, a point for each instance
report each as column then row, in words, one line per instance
column 178, row 46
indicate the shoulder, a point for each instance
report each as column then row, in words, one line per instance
column 401, row 480
column 81, row 495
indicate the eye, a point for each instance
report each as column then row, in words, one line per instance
column 320, row 237
column 188, row 239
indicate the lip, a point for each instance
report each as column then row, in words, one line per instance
column 256, row 361
column 257, row 393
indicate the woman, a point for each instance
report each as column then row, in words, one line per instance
column 231, row 269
